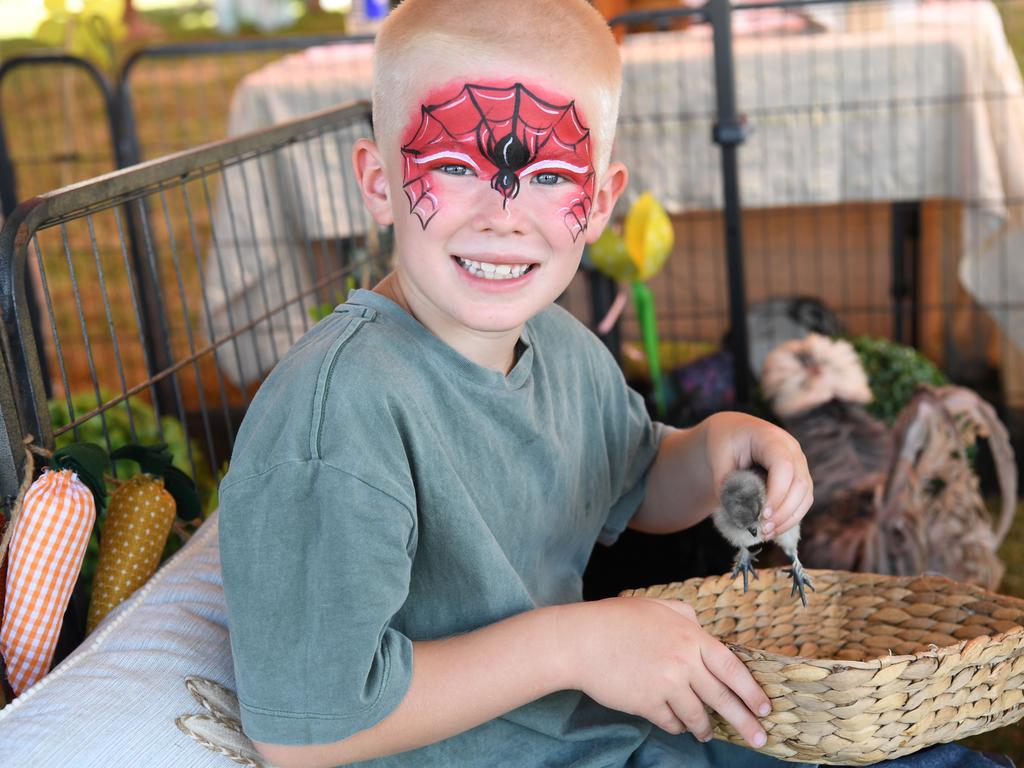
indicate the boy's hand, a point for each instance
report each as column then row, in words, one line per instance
column 651, row 658
column 736, row 440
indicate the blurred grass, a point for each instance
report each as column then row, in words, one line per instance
column 1012, row 12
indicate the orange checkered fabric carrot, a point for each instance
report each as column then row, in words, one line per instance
column 48, row 541
column 45, row 557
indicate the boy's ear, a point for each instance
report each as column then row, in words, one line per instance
column 372, row 180
column 612, row 186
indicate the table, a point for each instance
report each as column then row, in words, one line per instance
column 926, row 108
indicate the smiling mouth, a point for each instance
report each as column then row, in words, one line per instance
column 488, row 271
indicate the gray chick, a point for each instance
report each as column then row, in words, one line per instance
column 738, row 519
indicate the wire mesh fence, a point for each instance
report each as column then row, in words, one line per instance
column 62, row 120
column 176, row 96
column 57, row 119
column 875, row 159
column 163, row 337
column 878, row 176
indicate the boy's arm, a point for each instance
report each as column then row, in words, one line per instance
column 457, row 683
column 680, row 490
column 682, row 486
column 645, row 657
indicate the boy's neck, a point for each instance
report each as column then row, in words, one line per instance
column 498, row 353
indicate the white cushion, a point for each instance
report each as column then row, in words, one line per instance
column 114, row 700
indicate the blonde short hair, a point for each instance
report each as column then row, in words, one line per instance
column 567, row 38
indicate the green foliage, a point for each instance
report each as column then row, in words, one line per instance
column 119, row 421
column 894, row 372
column 320, row 311
column 92, row 32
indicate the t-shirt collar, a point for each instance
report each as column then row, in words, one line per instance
column 445, row 353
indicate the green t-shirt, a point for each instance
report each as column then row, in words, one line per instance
column 385, row 489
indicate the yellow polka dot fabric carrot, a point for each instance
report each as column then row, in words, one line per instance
column 44, row 559
column 139, row 518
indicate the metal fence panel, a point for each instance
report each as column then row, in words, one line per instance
column 855, row 185
column 879, row 175
column 170, row 343
column 57, row 121
column 176, row 96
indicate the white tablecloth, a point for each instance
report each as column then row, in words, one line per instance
column 929, row 106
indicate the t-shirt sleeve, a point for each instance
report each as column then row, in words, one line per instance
column 316, row 564
column 632, row 444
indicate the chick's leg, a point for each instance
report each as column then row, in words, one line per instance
column 744, row 563
column 800, row 580
column 788, row 542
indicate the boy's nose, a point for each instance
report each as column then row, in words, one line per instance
column 495, row 214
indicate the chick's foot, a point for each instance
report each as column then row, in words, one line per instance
column 744, row 564
column 800, row 580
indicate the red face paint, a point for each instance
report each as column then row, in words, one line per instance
column 503, row 134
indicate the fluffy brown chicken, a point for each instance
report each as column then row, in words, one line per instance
column 900, row 502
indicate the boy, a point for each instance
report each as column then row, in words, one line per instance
column 417, row 487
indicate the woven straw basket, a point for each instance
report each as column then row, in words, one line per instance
column 874, row 668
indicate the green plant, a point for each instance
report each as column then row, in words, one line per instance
column 320, row 311
column 894, row 372
column 117, row 425
column 91, row 29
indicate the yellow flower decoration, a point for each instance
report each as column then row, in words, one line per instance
column 641, row 253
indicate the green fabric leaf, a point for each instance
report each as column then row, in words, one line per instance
column 152, row 459
column 186, row 498
column 89, row 462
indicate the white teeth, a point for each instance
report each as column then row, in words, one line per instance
column 493, row 271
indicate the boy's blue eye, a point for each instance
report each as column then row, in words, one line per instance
column 549, row 179
column 454, row 169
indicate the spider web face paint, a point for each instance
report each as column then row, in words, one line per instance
column 503, row 134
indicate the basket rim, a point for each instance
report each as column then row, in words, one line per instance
column 962, row 648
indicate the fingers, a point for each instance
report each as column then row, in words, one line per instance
column 668, row 720
column 793, row 508
column 732, row 691
column 726, row 703
column 782, row 523
column 689, row 709
column 789, row 488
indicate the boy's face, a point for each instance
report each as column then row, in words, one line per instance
column 493, row 196
column 508, row 136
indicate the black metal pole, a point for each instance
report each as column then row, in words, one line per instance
column 8, row 182
column 905, row 248
column 8, row 179
column 602, row 296
column 729, row 132
column 129, row 152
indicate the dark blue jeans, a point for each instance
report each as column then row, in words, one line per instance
column 683, row 751
column 948, row 756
